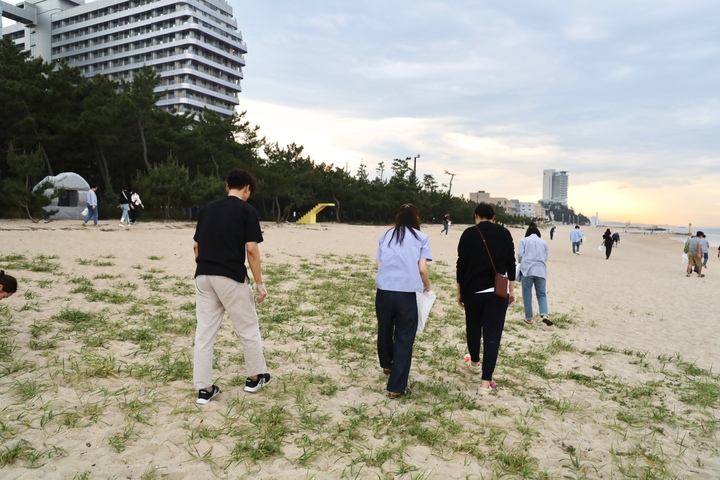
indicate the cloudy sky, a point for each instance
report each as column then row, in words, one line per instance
column 625, row 96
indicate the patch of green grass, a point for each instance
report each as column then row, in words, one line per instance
column 24, row 452
column 96, row 262
column 119, row 441
column 7, row 349
column 702, row 393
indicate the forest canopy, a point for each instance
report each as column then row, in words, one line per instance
column 112, row 133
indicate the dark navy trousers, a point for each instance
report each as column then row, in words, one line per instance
column 397, row 317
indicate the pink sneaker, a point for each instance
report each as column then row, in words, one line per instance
column 487, row 391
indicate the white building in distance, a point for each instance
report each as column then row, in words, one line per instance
column 555, row 186
column 512, row 207
column 194, row 45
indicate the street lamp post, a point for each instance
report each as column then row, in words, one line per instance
column 415, row 165
column 452, row 175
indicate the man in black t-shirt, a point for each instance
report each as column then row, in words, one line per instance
column 226, row 229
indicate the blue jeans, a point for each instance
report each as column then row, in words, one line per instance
column 92, row 213
column 445, row 229
column 125, row 217
column 527, row 284
column 576, row 247
column 397, row 317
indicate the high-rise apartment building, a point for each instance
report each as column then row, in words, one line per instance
column 547, row 185
column 194, row 45
column 555, row 186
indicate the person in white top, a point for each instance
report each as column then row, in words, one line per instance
column 92, row 205
column 576, row 238
column 532, row 256
column 135, row 204
column 402, row 256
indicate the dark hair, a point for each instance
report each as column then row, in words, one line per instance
column 532, row 229
column 700, row 234
column 406, row 218
column 238, row 178
column 577, row 226
column 485, row 210
column 608, row 232
column 8, row 283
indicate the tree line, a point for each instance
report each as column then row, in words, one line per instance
column 112, row 133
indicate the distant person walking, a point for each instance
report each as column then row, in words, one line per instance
column 135, row 204
column 402, row 256
column 92, row 205
column 446, row 224
column 124, row 202
column 552, row 233
column 694, row 251
column 608, row 242
column 484, row 249
column 705, row 250
column 8, row 285
column 228, row 228
column 533, row 255
column 576, row 237
column 616, row 239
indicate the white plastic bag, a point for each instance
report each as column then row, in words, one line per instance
column 684, row 259
column 600, row 248
column 84, row 212
column 425, row 301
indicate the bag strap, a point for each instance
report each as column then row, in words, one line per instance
column 486, row 248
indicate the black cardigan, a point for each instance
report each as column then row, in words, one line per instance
column 474, row 270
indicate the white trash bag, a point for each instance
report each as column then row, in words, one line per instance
column 425, row 301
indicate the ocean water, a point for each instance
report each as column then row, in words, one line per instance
column 712, row 234
column 678, row 233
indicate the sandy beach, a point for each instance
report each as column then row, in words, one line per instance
column 623, row 386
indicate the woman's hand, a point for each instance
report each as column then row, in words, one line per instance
column 511, row 299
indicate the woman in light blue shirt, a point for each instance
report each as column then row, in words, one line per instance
column 533, row 256
column 402, row 256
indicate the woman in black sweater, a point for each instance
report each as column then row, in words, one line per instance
column 608, row 241
column 484, row 311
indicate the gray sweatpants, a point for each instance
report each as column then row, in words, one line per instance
column 216, row 295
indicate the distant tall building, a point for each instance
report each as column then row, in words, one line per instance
column 547, row 185
column 194, row 45
column 555, row 186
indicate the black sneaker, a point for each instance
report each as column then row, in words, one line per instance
column 253, row 386
column 204, row 396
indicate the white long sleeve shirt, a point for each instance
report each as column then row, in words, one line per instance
column 532, row 255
